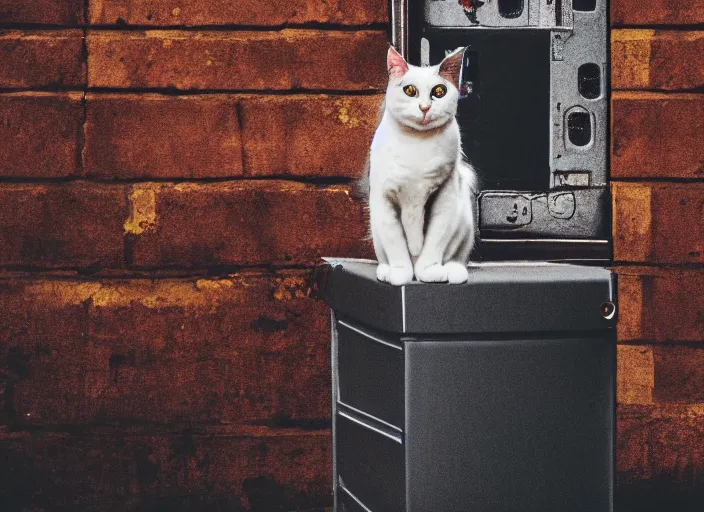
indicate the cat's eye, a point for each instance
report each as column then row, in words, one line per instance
column 439, row 91
column 410, row 90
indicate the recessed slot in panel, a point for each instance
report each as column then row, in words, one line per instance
column 579, row 128
column 589, row 81
column 510, row 8
column 584, row 5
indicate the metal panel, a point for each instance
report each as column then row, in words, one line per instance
column 347, row 502
column 586, row 44
column 487, row 13
column 333, row 359
column 563, row 213
column 351, row 289
column 509, row 297
column 370, row 465
column 513, row 298
column 512, row 425
column 370, row 374
column 564, row 125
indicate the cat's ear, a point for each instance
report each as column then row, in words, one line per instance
column 395, row 63
column 452, row 65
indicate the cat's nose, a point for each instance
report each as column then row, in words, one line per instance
column 424, row 108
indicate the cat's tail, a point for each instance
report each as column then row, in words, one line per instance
column 468, row 175
column 360, row 192
column 360, row 186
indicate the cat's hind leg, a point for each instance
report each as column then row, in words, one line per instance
column 457, row 272
column 456, row 267
column 458, row 253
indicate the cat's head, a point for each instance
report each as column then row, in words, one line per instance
column 423, row 98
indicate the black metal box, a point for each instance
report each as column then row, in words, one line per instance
column 495, row 395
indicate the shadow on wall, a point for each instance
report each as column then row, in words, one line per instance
column 659, row 495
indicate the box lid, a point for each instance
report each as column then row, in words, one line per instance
column 498, row 297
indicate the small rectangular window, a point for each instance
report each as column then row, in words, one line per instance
column 584, row 5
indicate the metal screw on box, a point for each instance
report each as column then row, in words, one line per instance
column 499, row 394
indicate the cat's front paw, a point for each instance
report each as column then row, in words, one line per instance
column 456, row 272
column 398, row 276
column 433, row 273
column 382, row 271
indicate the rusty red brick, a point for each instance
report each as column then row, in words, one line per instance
column 660, row 304
column 656, row 12
column 148, row 469
column 252, row 348
column 42, row 58
column 658, row 222
column 50, row 12
column 247, row 223
column 308, row 135
column 657, row 135
column 40, row 134
column 62, row 225
column 660, row 457
column 635, row 374
column 225, row 12
column 657, row 59
column 660, row 374
column 679, row 373
column 149, row 135
column 240, row 60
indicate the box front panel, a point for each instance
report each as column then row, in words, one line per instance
column 512, row 425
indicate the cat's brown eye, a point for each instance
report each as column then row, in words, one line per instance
column 410, row 90
column 439, row 91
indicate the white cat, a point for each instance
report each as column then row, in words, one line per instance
column 417, row 168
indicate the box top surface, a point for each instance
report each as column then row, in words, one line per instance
column 498, row 297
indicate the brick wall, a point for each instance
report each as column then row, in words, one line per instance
column 657, row 168
column 170, row 172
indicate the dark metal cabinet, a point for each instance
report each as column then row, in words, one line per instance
column 496, row 395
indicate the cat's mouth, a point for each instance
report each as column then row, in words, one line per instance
column 427, row 120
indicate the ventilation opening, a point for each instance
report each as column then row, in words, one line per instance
column 579, row 128
column 584, row 5
column 510, row 8
column 589, row 81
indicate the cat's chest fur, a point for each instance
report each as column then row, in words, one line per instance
column 404, row 163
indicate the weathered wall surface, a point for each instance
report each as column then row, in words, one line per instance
column 170, row 171
column 657, row 167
